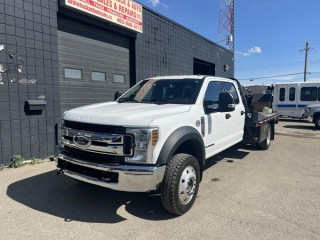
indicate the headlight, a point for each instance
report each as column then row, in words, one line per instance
column 60, row 133
column 307, row 110
column 145, row 141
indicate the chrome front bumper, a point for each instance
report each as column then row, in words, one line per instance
column 130, row 178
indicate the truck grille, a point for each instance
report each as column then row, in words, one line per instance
column 96, row 143
column 92, row 157
column 94, row 127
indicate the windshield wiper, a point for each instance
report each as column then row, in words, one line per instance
column 121, row 100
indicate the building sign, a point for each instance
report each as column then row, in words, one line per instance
column 126, row 13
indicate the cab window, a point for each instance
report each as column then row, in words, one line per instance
column 229, row 87
column 212, row 95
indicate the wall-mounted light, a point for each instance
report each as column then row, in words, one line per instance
column 226, row 67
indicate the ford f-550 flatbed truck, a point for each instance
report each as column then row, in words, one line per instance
column 158, row 135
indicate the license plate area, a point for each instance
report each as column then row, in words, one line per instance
column 104, row 176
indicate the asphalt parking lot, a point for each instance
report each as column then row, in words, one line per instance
column 245, row 194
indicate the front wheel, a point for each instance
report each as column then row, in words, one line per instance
column 317, row 122
column 265, row 144
column 180, row 184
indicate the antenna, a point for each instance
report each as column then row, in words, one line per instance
column 226, row 24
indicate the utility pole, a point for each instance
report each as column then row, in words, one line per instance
column 305, row 60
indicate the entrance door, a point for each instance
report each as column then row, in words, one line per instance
column 203, row 68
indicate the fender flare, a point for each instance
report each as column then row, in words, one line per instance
column 176, row 139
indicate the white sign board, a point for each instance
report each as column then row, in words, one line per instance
column 126, row 13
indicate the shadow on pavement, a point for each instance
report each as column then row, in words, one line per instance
column 297, row 120
column 71, row 200
column 302, row 127
column 234, row 152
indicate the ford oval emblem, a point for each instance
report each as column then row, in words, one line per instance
column 81, row 141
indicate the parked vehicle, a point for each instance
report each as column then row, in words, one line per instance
column 312, row 112
column 290, row 99
column 158, row 135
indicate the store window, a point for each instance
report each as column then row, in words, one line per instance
column 118, row 78
column 73, row 73
column 98, row 76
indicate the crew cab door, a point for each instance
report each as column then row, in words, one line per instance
column 223, row 127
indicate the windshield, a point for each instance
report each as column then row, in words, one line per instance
column 162, row 91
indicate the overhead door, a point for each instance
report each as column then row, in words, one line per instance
column 93, row 63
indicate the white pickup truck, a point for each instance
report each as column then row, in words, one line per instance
column 312, row 112
column 158, row 135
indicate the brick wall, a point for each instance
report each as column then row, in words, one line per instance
column 166, row 48
column 29, row 68
column 28, row 33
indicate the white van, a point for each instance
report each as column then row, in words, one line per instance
column 290, row 98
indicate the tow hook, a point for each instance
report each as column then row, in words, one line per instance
column 61, row 170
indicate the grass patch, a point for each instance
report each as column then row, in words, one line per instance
column 34, row 161
column 16, row 161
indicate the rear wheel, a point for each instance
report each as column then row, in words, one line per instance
column 265, row 144
column 181, row 183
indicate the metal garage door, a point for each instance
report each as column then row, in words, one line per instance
column 93, row 63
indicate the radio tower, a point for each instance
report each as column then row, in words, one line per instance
column 226, row 24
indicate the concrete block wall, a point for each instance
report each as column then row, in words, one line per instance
column 166, row 47
column 29, row 60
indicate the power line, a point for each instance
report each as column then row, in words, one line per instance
column 282, row 75
column 279, row 64
column 274, row 76
column 286, row 45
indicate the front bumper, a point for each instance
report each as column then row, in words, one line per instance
column 310, row 119
column 127, row 178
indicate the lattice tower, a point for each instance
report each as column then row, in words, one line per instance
column 226, row 24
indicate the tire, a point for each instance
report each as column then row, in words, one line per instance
column 265, row 144
column 180, row 184
column 317, row 122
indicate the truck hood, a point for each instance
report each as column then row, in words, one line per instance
column 123, row 114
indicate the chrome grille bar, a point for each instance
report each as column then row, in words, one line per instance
column 104, row 143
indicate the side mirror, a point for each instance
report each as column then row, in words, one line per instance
column 117, row 95
column 226, row 102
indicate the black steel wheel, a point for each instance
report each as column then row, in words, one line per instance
column 265, row 144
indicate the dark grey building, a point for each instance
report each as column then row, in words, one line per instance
column 54, row 58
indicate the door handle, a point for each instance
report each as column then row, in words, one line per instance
column 228, row 115
column 243, row 112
